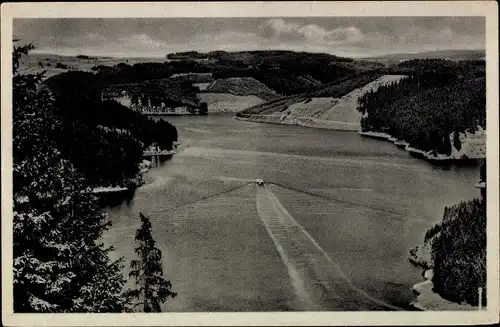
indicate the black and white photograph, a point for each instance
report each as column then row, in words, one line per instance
column 306, row 163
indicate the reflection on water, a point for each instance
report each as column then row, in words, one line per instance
column 378, row 202
column 113, row 199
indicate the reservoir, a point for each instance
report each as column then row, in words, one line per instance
column 330, row 230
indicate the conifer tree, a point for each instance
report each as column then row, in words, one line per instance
column 153, row 290
column 58, row 263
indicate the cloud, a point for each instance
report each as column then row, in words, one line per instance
column 279, row 29
column 228, row 41
column 95, row 44
column 87, row 39
column 141, row 41
column 356, row 37
column 419, row 38
column 411, row 37
column 95, row 38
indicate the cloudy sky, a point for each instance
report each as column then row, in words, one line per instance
column 155, row 37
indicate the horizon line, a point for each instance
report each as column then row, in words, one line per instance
column 145, row 56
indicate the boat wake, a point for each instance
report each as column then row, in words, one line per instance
column 318, row 281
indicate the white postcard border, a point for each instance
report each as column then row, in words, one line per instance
column 487, row 9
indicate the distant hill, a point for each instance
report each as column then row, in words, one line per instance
column 242, row 86
column 443, row 54
column 256, row 76
column 54, row 64
column 298, row 85
column 227, row 102
column 332, row 106
column 103, row 139
column 265, row 74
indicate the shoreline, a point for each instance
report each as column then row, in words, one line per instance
column 302, row 122
column 440, row 158
column 426, row 299
column 149, row 153
column 152, row 113
column 144, row 167
column 354, row 127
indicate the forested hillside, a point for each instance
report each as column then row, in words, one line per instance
column 285, row 72
column 437, row 99
column 454, row 251
column 172, row 93
column 442, row 54
column 176, row 81
column 66, row 140
column 459, row 253
column 335, row 89
column 330, row 106
column 103, row 139
column 59, row 263
column 242, row 86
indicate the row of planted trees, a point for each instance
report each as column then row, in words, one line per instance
column 146, row 106
column 59, row 261
column 152, row 101
column 164, row 97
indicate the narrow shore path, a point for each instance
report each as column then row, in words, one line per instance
column 318, row 281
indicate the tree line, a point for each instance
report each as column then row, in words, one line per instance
column 281, row 71
column 424, row 108
column 157, row 93
column 458, row 246
column 59, row 262
column 104, row 156
column 436, row 99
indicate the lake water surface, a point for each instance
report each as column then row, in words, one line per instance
column 376, row 203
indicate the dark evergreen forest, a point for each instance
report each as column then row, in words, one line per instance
column 459, row 252
column 102, row 138
column 68, row 138
column 438, row 98
column 286, row 72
